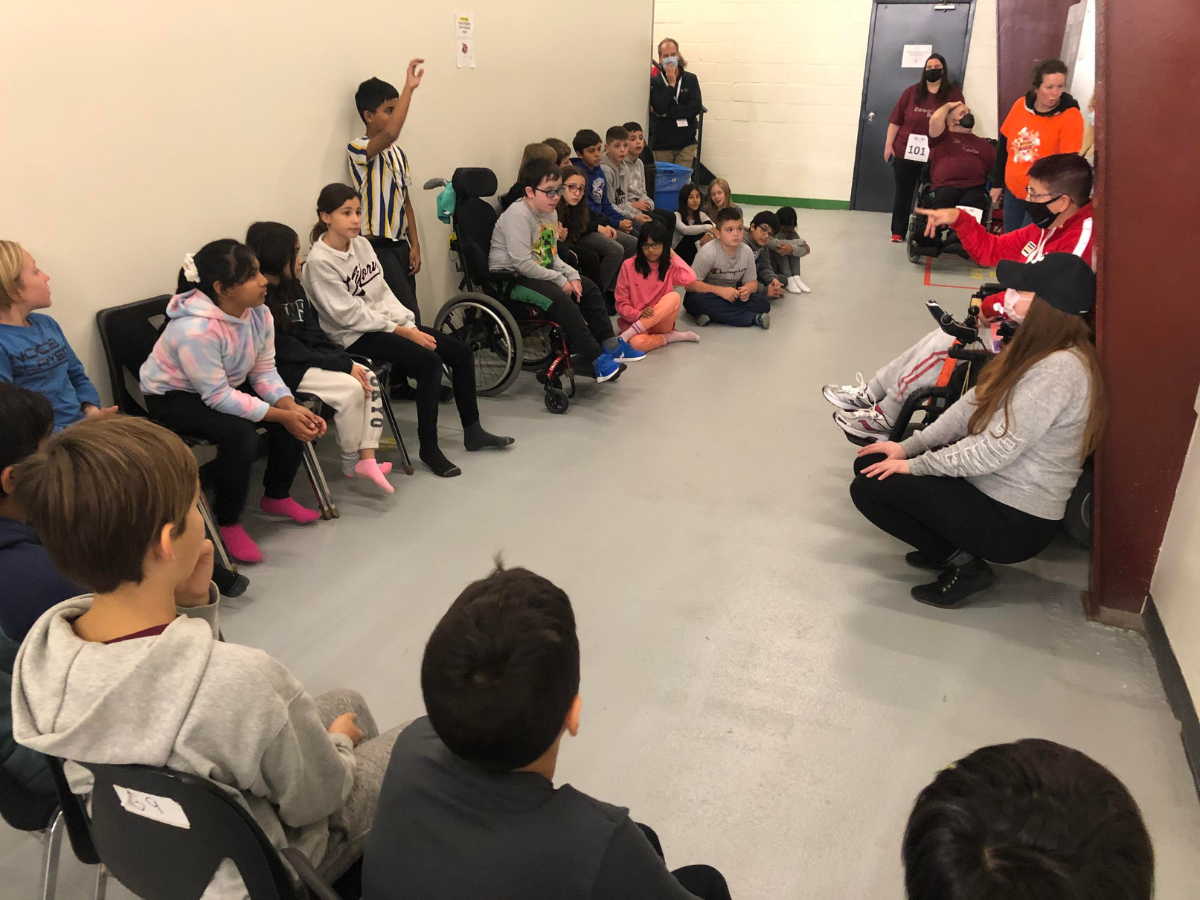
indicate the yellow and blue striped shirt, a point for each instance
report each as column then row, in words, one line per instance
column 383, row 183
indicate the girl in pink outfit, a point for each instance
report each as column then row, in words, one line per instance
column 647, row 301
column 212, row 375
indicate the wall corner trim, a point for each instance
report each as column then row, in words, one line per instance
column 1176, row 688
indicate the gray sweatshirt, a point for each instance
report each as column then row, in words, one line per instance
column 616, row 192
column 762, row 260
column 800, row 246
column 1034, row 464
column 349, row 292
column 526, row 242
column 188, row 701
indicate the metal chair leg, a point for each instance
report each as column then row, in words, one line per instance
column 391, row 418
column 316, row 477
column 101, row 883
column 50, row 855
column 214, row 534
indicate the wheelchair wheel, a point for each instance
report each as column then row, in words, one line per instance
column 539, row 347
column 1077, row 521
column 491, row 332
column 557, row 400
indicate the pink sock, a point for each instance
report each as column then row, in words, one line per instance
column 368, row 468
column 239, row 544
column 690, row 336
column 290, row 508
column 634, row 329
column 385, row 468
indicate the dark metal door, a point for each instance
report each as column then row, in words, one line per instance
column 898, row 26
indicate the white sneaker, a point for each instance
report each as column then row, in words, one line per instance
column 850, row 396
column 804, row 288
column 870, row 424
column 793, row 285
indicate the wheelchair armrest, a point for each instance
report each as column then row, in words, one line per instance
column 503, row 281
column 911, row 403
column 957, row 330
column 308, row 875
column 979, row 356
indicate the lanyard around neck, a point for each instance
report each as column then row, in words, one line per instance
column 678, row 84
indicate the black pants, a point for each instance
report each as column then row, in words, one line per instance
column 704, row 882
column 411, row 360
column 946, row 197
column 906, row 173
column 584, row 260
column 940, row 516
column 585, row 321
column 393, row 258
column 237, row 446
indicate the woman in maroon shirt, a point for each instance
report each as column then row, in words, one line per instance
column 907, row 145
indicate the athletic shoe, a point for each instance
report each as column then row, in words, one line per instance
column 703, row 319
column 804, row 288
column 850, row 396
column 955, row 585
column 919, row 560
column 897, row 239
column 626, row 353
column 607, row 368
column 763, row 321
column 864, row 423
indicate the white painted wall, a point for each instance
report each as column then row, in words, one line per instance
column 1176, row 583
column 137, row 131
column 783, row 80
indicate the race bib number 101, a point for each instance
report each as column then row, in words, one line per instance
column 918, row 148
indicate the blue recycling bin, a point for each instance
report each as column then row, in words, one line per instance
column 668, row 179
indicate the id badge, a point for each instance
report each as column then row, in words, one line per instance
column 681, row 123
column 918, row 148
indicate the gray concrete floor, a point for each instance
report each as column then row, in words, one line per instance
column 757, row 683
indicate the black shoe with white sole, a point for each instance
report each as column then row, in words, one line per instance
column 955, row 585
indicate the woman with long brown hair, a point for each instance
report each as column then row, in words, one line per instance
column 990, row 479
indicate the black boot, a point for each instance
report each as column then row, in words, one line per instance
column 919, row 560
column 956, row 584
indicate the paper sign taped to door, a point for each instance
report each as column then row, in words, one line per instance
column 918, row 148
column 151, row 806
column 915, row 55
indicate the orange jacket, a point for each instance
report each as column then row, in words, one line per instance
column 1029, row 136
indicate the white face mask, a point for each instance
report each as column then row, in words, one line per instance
column 1011, row 298
column 670, row 60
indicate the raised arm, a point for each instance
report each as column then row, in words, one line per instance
column 391, row 130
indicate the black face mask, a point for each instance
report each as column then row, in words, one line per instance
column 932, row 75
column 967, row 121
column 1040, row 212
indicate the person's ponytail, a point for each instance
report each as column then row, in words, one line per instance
column 330, row 199
column 226, row 262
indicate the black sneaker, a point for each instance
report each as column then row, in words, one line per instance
column 919, row 560
column 955, row 585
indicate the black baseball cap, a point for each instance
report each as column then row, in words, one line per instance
column 1063, row 280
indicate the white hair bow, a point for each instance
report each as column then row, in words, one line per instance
column 190, row 272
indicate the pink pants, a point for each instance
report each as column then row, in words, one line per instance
column 662, row 322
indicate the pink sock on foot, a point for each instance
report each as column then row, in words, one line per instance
column 672, row 337
column 368, row 468
column 290, row 508
column 635, row 329
column 385, row 467
column 239, row 544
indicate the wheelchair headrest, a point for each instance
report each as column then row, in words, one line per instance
column 469, row 182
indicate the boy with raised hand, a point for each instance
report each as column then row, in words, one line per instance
column 525, row 242
column 469, row 807
column 135, row 673
column 591, row 150
column 379, row 172
column 763, row 227
column 726, row 288
column 616, row 141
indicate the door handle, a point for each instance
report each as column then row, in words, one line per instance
column 870, row 117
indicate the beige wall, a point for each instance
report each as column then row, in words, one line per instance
column 136, row 131
column 1176, row 584
column 783, row 80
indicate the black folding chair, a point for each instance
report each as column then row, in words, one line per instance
column 73, row 816
column 163, row 834
column 383, row 373
column 26, row 811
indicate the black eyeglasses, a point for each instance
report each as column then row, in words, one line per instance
column 553, row 192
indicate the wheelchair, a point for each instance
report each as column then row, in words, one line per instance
column 946, row 240
column 503, row 323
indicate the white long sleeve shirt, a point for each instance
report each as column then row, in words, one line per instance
column 350, row 295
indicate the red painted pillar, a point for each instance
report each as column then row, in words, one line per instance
column 1148, row 310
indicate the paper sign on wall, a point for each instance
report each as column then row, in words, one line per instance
column 151, row 806
column 464, row 25
column 915, row 55
column 466, row 54
column 464, row 39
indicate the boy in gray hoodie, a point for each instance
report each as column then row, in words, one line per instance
column 135, row 672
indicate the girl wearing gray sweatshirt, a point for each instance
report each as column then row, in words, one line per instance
column 990, row 479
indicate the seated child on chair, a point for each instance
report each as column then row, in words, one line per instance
column 310, row 363
column 136, row 672
column 531, row 151
column 726, row 283
column 647, row 300
column 212, row 375
column 787, row 248
column 34, row 352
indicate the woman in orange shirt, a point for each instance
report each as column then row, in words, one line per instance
column 1045, row 121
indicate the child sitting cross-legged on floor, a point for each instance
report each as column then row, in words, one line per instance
column 647, row 301
column 310, row 363
column 726, row 285
column 787, row 248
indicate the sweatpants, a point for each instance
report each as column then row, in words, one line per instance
column 704, row 882
column 917, row 367
column 393, row 259
column 359, row 419
column 785, row 267
column 584, row 321
column 237, row 446
column 666, row 309
column 350, row 825
column 940, row 516
column 739, row 313
column 610, row 253
column 907, row 173
column 425, row 366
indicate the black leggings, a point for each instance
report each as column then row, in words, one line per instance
column 584, row 321
column 704, row 882
column 940, row 516
column 237, row 445
column 946, row 197
column 425, row 366
column 907, row 173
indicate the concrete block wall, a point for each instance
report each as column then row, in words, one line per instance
column 782, row 81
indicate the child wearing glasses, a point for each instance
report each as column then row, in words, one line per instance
column 763, row 227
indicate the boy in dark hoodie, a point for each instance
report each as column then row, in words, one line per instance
column 590, row 148
column 134, row 673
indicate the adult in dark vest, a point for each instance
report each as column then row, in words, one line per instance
column 675, row 105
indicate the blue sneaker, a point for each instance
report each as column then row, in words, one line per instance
column 607, row 368
column 626, row 353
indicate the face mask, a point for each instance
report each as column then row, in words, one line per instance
column 1040, row 212
column 967, row 121
column 932, row 75
column 1010, row 305
column 670, row 60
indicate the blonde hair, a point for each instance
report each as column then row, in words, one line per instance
column 539, row 150
column 710, row 210
column 12, row 260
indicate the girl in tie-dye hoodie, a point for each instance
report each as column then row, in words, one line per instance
column 212, row 375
